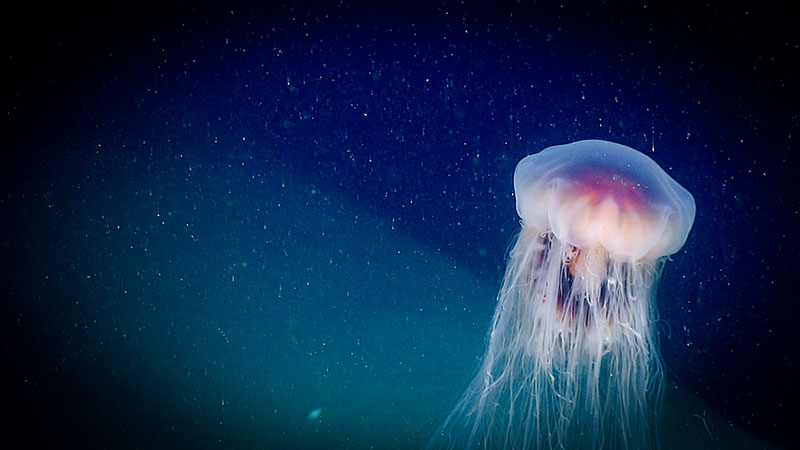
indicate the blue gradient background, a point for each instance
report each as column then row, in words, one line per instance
column 147, row 147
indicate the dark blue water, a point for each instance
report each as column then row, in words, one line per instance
column 239, row 227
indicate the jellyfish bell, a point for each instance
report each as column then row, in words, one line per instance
column 592, row 192
column 572, row 359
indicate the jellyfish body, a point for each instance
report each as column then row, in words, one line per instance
column 572, row 359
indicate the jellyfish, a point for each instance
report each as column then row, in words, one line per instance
column 572, row 360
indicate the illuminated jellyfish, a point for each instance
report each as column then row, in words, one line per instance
column 572, row 359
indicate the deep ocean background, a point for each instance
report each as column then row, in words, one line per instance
column 147, row 147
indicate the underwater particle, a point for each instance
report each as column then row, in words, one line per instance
column 314, row 414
